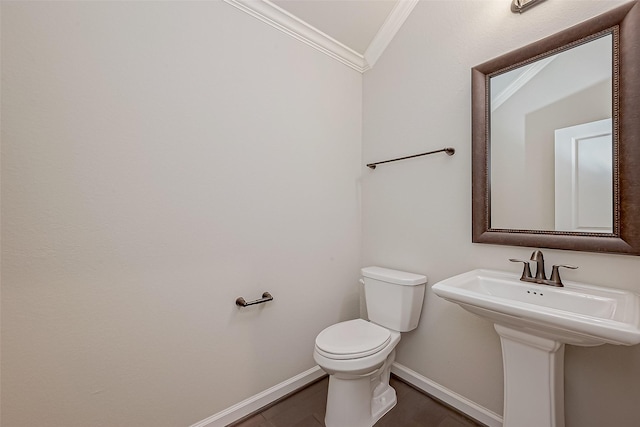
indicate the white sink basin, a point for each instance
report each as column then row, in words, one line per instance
column 578, row 314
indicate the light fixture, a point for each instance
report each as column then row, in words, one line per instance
column 519, row 6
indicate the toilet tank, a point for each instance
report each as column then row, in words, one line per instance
column 394, row 298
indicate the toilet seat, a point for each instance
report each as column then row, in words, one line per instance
column 352, row 339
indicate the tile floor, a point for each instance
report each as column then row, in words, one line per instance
column 306, row 409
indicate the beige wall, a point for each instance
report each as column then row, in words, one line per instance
column 160, row 159
column 417, row 214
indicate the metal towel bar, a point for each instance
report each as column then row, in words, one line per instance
column 450, row 152
column 243, row 303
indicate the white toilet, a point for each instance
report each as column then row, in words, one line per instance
column 357, row 354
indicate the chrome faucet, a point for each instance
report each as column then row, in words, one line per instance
column 540, row 277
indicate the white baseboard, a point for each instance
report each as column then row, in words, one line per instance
column 252, row 404
column 447, row 396
column 260, row 400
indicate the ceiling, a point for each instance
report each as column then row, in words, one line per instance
column 353, row 23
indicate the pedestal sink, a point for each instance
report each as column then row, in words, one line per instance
column 534, row 323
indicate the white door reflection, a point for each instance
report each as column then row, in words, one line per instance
column 583, row 178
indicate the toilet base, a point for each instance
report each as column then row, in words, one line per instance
column 360, row 400
column 383, row 402
column 350, row 402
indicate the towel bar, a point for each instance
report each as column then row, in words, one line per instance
column 450, row 152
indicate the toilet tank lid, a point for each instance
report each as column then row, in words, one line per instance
column 393, row 276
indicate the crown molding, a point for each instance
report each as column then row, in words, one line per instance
column 388, row 30
column 522, row 80
column 289, row 24
column 280, row 19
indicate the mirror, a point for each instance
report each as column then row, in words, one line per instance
column 556, row 128
column 538, row 130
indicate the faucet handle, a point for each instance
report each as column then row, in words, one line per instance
column 526, row 272
column 555, row 274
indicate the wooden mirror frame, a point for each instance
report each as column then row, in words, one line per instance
column 625, row 239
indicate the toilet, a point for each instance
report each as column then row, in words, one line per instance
column 357, row 354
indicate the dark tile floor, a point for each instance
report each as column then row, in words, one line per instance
column 306, row 408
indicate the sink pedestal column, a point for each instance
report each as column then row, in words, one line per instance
column 533, row 379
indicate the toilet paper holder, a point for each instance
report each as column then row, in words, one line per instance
column 266, row 296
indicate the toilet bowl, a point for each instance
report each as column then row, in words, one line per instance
column 359, row 391
column 358, row 354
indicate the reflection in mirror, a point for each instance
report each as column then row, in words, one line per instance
column 551, row 142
